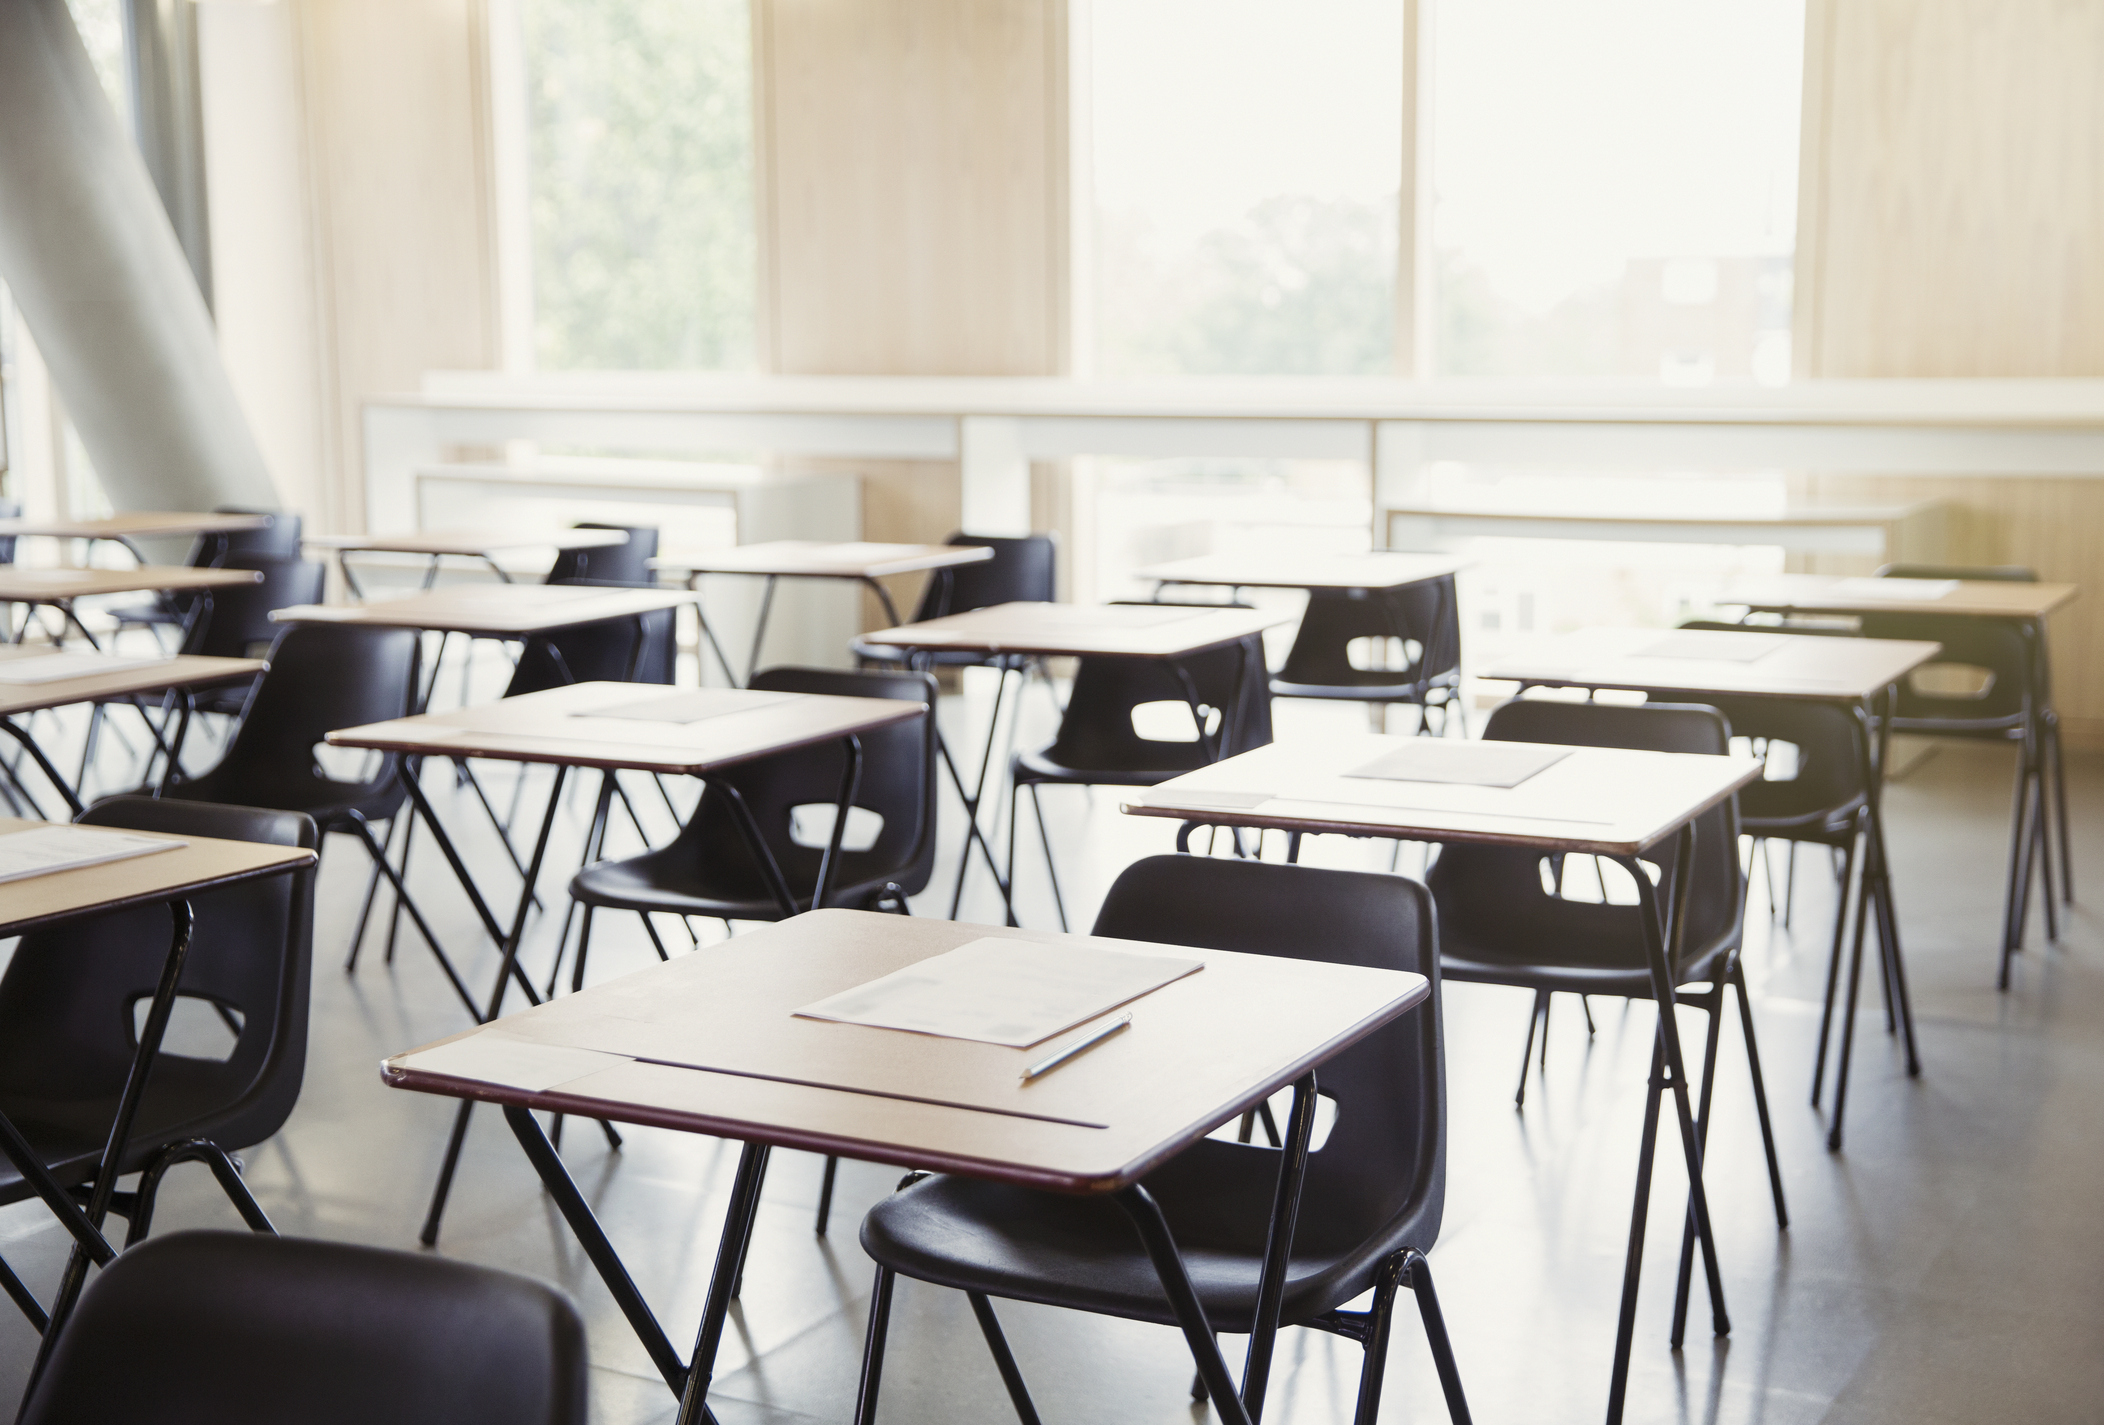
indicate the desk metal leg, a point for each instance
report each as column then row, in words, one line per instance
column 1662, row 935
column 111, row 1163
column 759, row 630
column 51, row 773
column 974, row 834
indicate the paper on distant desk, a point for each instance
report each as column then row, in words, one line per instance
column 44, row 849
column 1012, row 992
column 1473, row 764
column 1896, row 588
column 52, row 667
column 687, row 707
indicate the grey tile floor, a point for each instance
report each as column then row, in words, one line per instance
column 1943, row 1268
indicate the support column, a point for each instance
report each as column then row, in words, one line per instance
column 96, row 270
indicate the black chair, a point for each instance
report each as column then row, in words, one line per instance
column 1418, row 624
column 627, row 564
column 241, row 1330
column 637, row 648
column 240, row 625
column 1505, row 917
column 2014, row 705
column 1024, row 569
column 1374, row 1191
column 66, row 1036
column 276, row 541
column 1098, row 746
column 322, row 677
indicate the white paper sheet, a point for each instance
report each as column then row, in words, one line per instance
column 1714, row 646
column 687, row 707
column 1468, row 764
column 1012, row 992
column 52, row 667
column 1896, row 588
column 42, row 850
column 511, row 1063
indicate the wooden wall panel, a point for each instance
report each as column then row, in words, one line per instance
column 1952, row 221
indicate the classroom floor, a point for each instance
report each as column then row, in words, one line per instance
column 1942, row 1268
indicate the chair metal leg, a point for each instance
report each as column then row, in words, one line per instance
column 2012, row 923
column 195, row 1150
column 873, row 1347
column 1625, row 1330
column 1760, row 1093
column 1044, row 837
column 1833, row 965
column 1848, row 1027
column 1419, row 1272
column 1789, row 883
column 1534, row 1016
column 2059, row 766
column 1004, row 1359
column 584, row 947
column 378, row 852
column 25, row 1301
column 1712, row 1004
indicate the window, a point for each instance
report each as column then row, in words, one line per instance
column 1246, row 162
column 638, row 120
column 1614, row 187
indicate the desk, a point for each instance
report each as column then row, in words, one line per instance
column 1855, row 673
column 506, row 611
column 197, row 864
column 778, row 559
column 184, row 672
column 1883, row 532
column 135, row 525
column 1600, row 801
column 1828, row 594
column 559, row 727
column 1168, row 632
column 1378, row 570
column 436, row 545
column 60, row 586
column 707, row 1044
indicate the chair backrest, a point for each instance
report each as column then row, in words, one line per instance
column 239, row 624
column 627, row 564
column 1385, row 1157
column 1426, row 614
column 2003, row 654
column 9, row 510
column 641, row 648
column 278, row 539
column 323, row 676
column 1096, row 733
column 1832, row 745
column 68, row 997
column 898, row 784
column 1024, row 569
column 1497, row 892
column 244, row 1328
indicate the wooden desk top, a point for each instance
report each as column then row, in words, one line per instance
column 1085, row 630
column 159, row 675
column 493, row 610
column 32, row 584
column 708, row 1043
column 1598, row 800
column 467, row 543
column 136, row 524
column 1828, row 594
column 1758, row 662
column 823, row 560
column 559, row 726
column 200, row 864
column 1381, row 569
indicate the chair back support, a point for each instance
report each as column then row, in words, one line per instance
column 1497, row 892
column 322, row 677
column 898, row 784
column 239, row 549
column 641, row 648
column 1425, row 614
column 246, row 1329
column 1832, row 745
column 69, row 995
column 625, row 564
column 1997, row 647
column 240, row 624
column 1096, row 733
column 1024, row 569
column 1385, row 1158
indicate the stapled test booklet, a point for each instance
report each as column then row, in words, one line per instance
column 1012, row 992
column 43, row 849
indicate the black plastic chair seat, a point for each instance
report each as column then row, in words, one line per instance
column 238, row 1329
column 1372, row 686
column 1477, row 965
column 184, row 1099
column 1082, row 1253
column 1039, row 766
column 670, row 881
